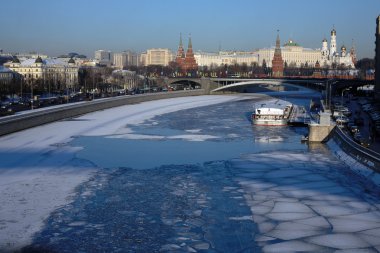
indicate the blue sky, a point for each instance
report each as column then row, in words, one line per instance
column 61, row 26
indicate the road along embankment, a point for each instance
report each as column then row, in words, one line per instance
column 42, row 116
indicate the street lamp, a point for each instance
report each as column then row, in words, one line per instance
column 31, row 91
column 343, row 93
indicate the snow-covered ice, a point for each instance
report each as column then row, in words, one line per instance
column 39, row 170
column 207, row 185
column 322, row 212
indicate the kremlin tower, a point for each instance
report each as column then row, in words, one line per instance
column 180, row 59
column 277, row 62
column 186, row 62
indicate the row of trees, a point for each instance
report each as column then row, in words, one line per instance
column 243, row 70
column 91, row 78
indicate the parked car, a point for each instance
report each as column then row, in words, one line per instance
column 354, row 129
column 6, row 110
column 342, row 120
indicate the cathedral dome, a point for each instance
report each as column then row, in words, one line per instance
column 343, row 48
column 291, row 43
column 324, row 40
column 333, row 32
column 38, row 60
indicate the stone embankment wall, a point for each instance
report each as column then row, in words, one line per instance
column 365, row 156
column 20, row 122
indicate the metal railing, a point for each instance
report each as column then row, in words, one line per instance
column 364, row 155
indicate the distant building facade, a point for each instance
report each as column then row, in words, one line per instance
column 330, row 55
column 127, row 79
column 377, row 57
column 120, row 60
column 225, row 57
column 7, row 77
column 294, row 55
column 32, row 70
column 156, row 56
column 103, row 57
column 125, row 59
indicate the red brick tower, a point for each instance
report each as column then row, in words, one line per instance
column 277, row 62
column 190, row 63
column 180, row 59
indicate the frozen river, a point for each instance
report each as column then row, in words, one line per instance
column 180, row 175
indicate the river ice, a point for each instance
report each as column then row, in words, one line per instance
column 205, row 180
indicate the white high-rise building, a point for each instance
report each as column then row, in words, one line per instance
column 120, row 60
column 157, row 56
column 103, row 57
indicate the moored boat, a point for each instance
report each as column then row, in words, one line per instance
column 271, row 113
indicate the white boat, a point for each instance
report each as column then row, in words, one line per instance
column 271, row 113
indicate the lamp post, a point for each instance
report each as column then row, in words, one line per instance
column 31, row 91
column 343, row 93
column 327, row 91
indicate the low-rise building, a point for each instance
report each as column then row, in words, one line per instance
column 7, row 79
column 127, row 79
column 48, row 69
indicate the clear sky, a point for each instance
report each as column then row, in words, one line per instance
column 58, row 27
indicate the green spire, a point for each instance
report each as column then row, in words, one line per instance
column 190, row 44
column 278, row 40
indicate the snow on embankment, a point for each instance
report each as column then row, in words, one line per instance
column 357, row 167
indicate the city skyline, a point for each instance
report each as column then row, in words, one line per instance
column 60, row 27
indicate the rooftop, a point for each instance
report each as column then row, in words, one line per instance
column 291, row 43
column 47, row 61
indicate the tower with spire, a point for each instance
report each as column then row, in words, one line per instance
column 333, row 43
column 187, row 61
column 190, row 62
column 277, row 62
column 180, row 58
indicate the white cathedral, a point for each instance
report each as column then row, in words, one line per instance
column 332, row 56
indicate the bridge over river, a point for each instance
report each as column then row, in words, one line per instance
column 240, row 84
